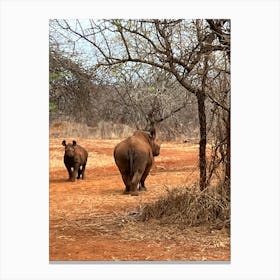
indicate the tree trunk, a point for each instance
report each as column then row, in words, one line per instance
column 202, row 141
column 227, row 175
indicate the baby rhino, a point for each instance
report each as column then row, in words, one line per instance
column 75, row 160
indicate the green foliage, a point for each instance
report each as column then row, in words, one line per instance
column 57, row 75
column 117, row 23
column 52, row 107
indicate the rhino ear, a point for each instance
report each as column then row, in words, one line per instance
column 63, row 143
column 74, row 143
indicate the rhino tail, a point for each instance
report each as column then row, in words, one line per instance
column 130, row 158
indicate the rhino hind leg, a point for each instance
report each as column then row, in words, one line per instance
column 135, row 182
column 126, row 191
column 127, row 181
column 142, row 186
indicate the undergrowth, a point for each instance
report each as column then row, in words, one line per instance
column 190, row 206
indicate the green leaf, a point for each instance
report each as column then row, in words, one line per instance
column 52, row 107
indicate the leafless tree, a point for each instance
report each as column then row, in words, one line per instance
column 195, row 52
column 69, row 87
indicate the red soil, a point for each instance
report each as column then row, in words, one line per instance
column 89, row 218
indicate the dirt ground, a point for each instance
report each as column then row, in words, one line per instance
column 91, row 219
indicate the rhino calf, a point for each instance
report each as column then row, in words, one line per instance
column 134, row 157
column 75, row 160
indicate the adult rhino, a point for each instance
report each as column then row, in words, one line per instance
column 134, row 157
column 75, row 160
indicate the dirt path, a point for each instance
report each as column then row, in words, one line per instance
column 89, row 218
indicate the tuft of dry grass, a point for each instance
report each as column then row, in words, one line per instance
column 190, row 206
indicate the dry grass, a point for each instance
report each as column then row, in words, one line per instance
column 102, row 130
column 68, row 129
column 190, row 206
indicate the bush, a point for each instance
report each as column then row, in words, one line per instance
column 190, row 206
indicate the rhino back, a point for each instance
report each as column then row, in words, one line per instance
column 80, row 155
